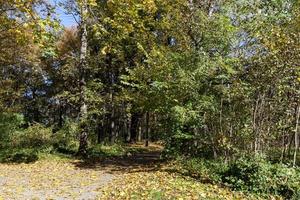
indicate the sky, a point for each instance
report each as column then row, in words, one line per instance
column 66, row 19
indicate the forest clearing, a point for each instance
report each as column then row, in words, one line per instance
column 142, row 175
column 149, row 99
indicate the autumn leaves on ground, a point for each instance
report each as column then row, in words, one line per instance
column 141, row 174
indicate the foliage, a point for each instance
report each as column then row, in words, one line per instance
column 215, row 78
column 9, row 124
column 35, row 136
column 65, row 140
column 119, row 150
column 257, row 175
column 212, row 80
column 19, row 156
column 252, row 174
column 202, row 169
column 16, row 155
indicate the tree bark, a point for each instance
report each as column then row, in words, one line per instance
column 100, row 132
column 112, row 135
column 134, row 127
column 83, row 138
column 147, row 130
column 296, row 135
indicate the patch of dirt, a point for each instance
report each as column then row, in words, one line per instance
column 50, row 180
column 72, row 179
column 145, row 161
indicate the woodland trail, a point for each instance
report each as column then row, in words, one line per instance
column 70, row 179
column 140, row 175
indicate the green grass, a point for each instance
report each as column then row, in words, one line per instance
column 117, row 150
column 27, row 155
column 101, row 150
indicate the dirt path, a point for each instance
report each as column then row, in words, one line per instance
column 141, row 175
column 145, row 161
column 70, row 179
column 50, row 180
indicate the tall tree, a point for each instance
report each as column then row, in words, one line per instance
column 83, row 142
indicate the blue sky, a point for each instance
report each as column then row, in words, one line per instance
column 66, row 19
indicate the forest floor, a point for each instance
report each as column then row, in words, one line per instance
column 138, row 175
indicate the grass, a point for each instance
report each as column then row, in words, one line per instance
column 120, row 150
column 27, row 155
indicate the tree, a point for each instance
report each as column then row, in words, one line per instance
column 24, row 33
column 82, row 69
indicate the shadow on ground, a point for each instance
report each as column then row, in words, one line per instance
column 145, row 161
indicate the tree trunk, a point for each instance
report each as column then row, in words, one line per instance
column 254, row 126
column 290, row 143
column 60, row 117
column 147, row 130
column 83, row 138
column 100, row 132
column 296, row 135
column 128, row 128
column 112, row 120
column 283, row 148
column 140, row 133
column 134, row 127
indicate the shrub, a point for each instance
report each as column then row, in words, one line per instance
column 186, row 144
column 286, row 181
column 179, row 144
column 36, row 136
column 21, row 156
column 206, row 170
column 9, row 124
column 255, row 174
column 249, row 173
column 65, row 140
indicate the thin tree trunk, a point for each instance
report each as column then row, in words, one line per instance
column 100, row 131
column 60, row 120
column 128, row 128
column 112, row 120
column 254, row 126
column 134, row 127
column 291, row 140
column 83, row 138
column 283, row 148
column 147, row 130
column 296, row 136
column 140, row 133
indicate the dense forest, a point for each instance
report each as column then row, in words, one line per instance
column 216, row 83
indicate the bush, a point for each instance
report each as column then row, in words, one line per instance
column 24, row 145
column 286, row 181
column 255, row 174
column 20, row 156
column 36, row 136
column 206, row 170
column 186, row 144
column 9, row 124
column 248, row 173
column 178, row 145
column 65, row 140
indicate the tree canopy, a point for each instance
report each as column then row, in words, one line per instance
column 211, row 79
